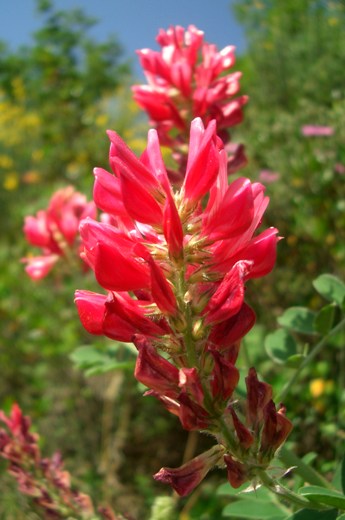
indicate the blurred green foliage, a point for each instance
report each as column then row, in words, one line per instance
column 294, row 76
column 57, row 97
column 293, row 73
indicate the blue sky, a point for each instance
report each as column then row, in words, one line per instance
column 135, row 22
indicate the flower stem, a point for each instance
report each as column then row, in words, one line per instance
column 305, row 471
column 285, row 493
column 312, row 354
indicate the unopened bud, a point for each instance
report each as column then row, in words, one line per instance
column 198, row 330
column 179, row 322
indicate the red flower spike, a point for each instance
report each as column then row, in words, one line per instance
column 192, row 415
column 116, row 271
column 261, row 250
column 172, row 227
column 185, row 478
column 43, row 479
column 225, row 336
column 228, row 298
column 203, row 164
column 55, row 230
column 225, row 377
column 153, row 157
column 161, row 290
column 98, row 316
column 121, row 306
column 176, row 263
column 140, row 203
column 188, row 76
column 275, row 430
column 244, row 436
column 189, row 382
column 234, row 214
column 37, row 232
column 124, row 156
column 107, row 193
column 154, row 371
column 258, row 396
column 91, row 310
column 39, row 267
column 237, row 472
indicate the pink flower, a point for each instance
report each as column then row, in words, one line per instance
column 339, row 168
column 268, row 176
column 317, row 131
column 188, row 78
column 56, row 230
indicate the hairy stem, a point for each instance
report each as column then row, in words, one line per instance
column 286, row 494
column 305, row 471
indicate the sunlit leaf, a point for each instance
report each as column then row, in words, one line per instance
column 330, row 287
column 324, row 319
column 280, row 346
column 298, row 319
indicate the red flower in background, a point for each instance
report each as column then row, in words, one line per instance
column 56, row 230
column 43, row 479
column 190, row 78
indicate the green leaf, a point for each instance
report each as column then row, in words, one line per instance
column 96, row 361
column 324, row 496
column 256, row 504
column 107, row 367
column 280, row 346
column 253, row 509
column 228, row 491
column 87, row 355
column 330, row 287
column 295, row 360
column 299, row 319
column 311, row 514
column 339, row 476
column 324, row 319
column 341, row 517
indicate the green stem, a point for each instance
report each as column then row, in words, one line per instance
column 189, row 343
column 227, row 435
column 189, row 340
column 287, row 494
column 305, row 471
column 312, row 354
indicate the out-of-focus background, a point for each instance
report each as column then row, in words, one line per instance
column 65, row 72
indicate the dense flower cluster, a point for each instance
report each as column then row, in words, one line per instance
column 56, row 230
column 43, row 479
column 173, row 253
column 174, row 263
column 190, row 78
